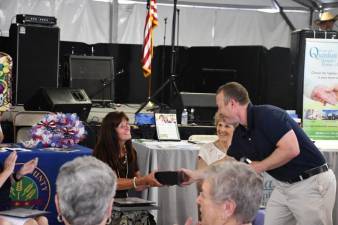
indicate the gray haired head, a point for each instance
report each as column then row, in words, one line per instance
column 85, row 188
column 238, row 182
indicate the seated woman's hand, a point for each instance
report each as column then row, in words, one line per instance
column 27, row 168
column 141, row 187
column 151, row 180
column 9, row 163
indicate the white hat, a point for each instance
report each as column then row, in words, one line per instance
column 326, row 16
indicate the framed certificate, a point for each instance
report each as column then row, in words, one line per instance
column 166, row 127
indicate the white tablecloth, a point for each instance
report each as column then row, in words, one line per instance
column 176, row 203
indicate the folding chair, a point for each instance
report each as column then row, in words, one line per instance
column 23, row 122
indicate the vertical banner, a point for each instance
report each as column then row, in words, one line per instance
column 320, row 97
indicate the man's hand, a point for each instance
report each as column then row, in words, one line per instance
column 191, row 176
column 27, row 168
column 257, row 166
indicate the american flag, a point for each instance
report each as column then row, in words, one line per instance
column 150, row 24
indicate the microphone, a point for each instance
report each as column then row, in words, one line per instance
column 119, row 72
column 104, row 81
column 245, row 160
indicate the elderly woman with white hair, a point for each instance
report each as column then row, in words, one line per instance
column 85, row 192
column 216, row 151
column 231, row 193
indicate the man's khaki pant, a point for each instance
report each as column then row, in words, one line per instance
column 308, row 202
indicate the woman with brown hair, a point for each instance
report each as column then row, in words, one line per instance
column 114, row 147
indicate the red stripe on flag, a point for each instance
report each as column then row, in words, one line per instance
column 150, row 23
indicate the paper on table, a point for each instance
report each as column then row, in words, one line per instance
column 170, row 145
column 53, row 149
column 327, row 145
column 16, row 149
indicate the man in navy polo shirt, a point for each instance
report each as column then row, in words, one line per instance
column 305, row 187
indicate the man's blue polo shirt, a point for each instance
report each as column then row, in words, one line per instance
column 266, row 126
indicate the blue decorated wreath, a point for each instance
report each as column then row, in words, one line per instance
column 58, row 130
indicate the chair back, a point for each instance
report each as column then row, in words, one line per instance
column 23, row 122
column 259, row 219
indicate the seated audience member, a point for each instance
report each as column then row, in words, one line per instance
column 85, row 189
column 114, row 147
column 231, row 193
column 216, row 151
column 7, row 176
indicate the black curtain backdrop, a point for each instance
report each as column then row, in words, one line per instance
column 265, row 73
column 280, row 82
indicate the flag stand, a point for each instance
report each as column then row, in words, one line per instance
column 150, row 104
column 171, row 80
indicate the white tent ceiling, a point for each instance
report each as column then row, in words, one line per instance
column 258, row 4
column 200, row 22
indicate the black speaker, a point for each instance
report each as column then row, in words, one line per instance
column 204, row 105
column 190, row 99
column 95, row 74
column 280, row 82
column 66, row 100
column 35, row 53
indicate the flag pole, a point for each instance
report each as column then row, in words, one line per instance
column 150, row 104
column 147, row 51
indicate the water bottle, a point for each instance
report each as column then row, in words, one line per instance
column 184, row 117
column 191, row 116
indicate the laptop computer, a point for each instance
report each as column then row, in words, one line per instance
column 23, row 212
column 132, row 201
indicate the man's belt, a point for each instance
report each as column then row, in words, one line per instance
column 309, row 173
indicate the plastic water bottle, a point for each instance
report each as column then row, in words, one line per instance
column 184, row 117
column 191, row 116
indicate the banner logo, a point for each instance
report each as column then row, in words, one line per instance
column 327, row 57
column 314, row 52
column 32, row 191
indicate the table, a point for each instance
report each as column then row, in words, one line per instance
column 38, row 189
column 176, row 203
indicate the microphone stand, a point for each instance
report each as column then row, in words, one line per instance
column 171, row 80
column 106, row 83
column 163, row 55
column 178, row 27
